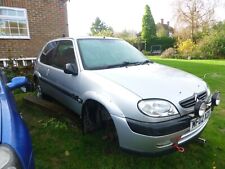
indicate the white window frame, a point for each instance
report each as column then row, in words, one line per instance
column 7, row 17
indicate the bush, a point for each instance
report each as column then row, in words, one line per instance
column 212, row 46
column 169, row 53
column 146, row 53
column 19, row 71
column 27, row 71
column 164, row 42
column 186, row 48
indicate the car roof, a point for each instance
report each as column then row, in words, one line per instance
column 84, row 37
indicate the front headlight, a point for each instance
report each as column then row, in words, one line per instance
column 8, row 158
column 157, row 108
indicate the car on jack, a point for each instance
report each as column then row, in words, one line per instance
column 153, row 107
column 15, row 142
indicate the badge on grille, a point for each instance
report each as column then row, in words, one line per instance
column 196, row 97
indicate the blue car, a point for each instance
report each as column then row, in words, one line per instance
column 15, row 142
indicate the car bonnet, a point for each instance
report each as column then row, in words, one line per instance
column 155, row 81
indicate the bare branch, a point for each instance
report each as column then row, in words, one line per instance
column 195, row 14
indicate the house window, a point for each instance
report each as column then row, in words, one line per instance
column 13, row 23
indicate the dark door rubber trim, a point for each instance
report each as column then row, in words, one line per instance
column 57, row 87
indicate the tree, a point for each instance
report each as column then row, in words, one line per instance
column 213, row 45
column 148, row 25
column 130, row 36
column 99, row 28
column 194, row 15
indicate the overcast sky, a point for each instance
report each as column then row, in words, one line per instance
column 119, row 14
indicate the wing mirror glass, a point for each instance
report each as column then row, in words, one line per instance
column 17, row 82
column 70, row 68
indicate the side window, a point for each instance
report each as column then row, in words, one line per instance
column 48, row 53
column 64, row 54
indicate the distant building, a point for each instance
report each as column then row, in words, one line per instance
column 26, row 25
column 163, row 29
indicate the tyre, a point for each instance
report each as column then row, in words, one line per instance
column 38, row 89
column 91, row 117
column 94, row 117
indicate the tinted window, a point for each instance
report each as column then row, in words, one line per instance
column 64, row 54
column 47, row 54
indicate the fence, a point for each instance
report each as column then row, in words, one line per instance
column 19, row 62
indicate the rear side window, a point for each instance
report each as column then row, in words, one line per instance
column 64, row 54
column 48, row 53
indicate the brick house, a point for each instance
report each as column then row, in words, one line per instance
column 26, row 25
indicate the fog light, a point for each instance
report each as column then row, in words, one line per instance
column 200, row 108
column 216, row 99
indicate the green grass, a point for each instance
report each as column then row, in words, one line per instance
column 59, row 143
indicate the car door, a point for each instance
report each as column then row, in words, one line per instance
column 44, row 65
column 66, row 86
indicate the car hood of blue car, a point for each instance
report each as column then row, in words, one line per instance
column 0, row 120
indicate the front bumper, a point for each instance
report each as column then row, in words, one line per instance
column 157, row 139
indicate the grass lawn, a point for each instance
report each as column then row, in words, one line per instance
column 59, row 143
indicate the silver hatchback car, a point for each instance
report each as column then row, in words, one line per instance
column 153, row 107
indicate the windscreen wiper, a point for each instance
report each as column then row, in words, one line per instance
column 144, row 62
column 123, row 64
column 126, row 63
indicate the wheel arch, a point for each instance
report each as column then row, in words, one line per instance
column 104, row 101
column 36, row 76
column 111, row 108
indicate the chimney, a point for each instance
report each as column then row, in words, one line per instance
column 162, row 21
column 168, row 23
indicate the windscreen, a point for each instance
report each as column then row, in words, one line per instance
column 105, row 53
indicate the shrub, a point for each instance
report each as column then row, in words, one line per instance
column 146, row 53
column 186, row 48
column 19, row 71
column 169, row 53
column 212, row 46
column 164, row 42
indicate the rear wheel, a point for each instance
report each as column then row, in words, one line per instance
column 38, row 89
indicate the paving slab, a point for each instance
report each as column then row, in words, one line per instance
column 51, row 107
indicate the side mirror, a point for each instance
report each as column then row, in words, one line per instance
column 17, row 82
column 70, row 68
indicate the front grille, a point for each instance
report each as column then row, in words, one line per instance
column 190, row 101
